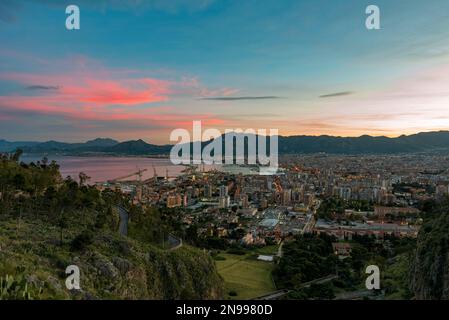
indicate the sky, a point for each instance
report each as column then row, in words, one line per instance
column 140, row 69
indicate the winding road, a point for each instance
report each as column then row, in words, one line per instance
column 124, row 216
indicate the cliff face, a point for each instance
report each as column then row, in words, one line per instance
column 429, row 272
column 112, row 267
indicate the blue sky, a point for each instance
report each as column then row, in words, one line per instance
column 139, row 69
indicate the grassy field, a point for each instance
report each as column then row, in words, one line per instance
column 267, row 250
column 245, row 275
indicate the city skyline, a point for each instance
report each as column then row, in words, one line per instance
column 141, row 69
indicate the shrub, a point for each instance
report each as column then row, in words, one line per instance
column 237, row 251
column 81, row 241
column 233, row 293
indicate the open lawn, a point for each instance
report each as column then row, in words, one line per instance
column 245, row 275
column 267, row 250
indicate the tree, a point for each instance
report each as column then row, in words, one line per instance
column 323, row 291
column 17, row 154
column 83, row 178
column 62, row 223
column 102, row 217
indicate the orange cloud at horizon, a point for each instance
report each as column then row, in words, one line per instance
column 103, row 98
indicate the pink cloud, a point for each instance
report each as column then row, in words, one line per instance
column 90, row 97
column 48, row 105
column 87, row 91
column 129, row 92
column 86, row 88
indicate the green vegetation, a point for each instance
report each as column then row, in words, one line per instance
column 48, row 223
column 395, row 280
column 244, row 276
column 17, row 288
column 307, row 258
column 267, row 250
column 310, row 257
column 334, row 207
column 112, row 266
column 429, row 266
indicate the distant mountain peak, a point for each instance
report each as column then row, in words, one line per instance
column 102, row 142
column 136, row 142
column 365, row 144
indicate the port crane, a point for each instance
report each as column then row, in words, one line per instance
column 138, row 173
column 156, row 176
column 154, row 172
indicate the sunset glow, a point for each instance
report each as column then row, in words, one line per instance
column 142, row 84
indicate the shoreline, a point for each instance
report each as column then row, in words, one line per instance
column 98, row 155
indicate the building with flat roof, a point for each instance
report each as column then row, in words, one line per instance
column 269, row 223
column 379, row 230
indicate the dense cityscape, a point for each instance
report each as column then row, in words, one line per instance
column 225, row 158
column 343, row 197
column 382, row 194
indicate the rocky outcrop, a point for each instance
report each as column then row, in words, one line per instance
column 111, row 267
column 429, row 270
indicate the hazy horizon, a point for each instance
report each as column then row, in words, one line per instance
column 168, row 143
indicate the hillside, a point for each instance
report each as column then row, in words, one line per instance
column 429, row 271
column 48, row 223
column 95, row 145
column 7, row 146
column 112, row 267
column 420, row 142
column 137, row 147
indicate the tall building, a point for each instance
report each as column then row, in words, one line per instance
column 269, row 183
column 286, row 197
column 342, row 192
column 224, row 202
column 223, row 191
column 174, row 200
column 309, row 198
column 441, row 191
column 208, row 191
column 264, row 203
column 245, row 202
column 186, row 200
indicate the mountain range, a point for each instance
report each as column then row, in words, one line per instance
column 420, row 142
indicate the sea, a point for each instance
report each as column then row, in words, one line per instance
column 104, row 168
column 101, row 169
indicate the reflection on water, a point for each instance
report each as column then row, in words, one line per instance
column 105, row 168
column 101, row 169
